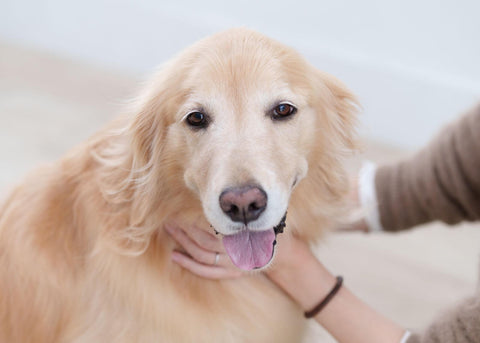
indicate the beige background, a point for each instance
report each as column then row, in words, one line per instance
column 414, row 64
column 48, row 104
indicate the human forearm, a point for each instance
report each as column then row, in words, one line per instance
column 440, row 182
column 346, row 317
column 350, row 320
column 301, row 275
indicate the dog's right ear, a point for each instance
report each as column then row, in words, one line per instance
column 153, row 112
column 134, row 160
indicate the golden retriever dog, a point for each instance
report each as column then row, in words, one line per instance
column 226, row 136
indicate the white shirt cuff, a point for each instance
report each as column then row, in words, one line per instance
column 368, row 195
column 405, row 337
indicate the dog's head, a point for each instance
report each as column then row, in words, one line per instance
column 244, row 119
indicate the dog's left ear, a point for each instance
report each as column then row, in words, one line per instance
column 337, row 108
column 319, row 198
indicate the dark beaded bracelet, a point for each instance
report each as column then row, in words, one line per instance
column 313, row 312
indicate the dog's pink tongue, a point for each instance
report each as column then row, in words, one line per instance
column 250, row 249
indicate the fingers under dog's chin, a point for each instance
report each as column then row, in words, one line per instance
column 205, row 271
column 188, row 263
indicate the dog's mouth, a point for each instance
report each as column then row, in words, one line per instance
column 250, row 250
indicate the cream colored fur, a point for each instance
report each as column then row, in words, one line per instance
column 83, row 256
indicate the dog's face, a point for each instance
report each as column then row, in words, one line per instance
column 248, row 131
column 245, row 127
column 247, row 141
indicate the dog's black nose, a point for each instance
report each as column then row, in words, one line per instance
column 243, row 204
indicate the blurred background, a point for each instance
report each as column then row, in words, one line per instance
column 66, row 67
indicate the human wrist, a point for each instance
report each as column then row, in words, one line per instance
column 303, row 278
column 322, row 304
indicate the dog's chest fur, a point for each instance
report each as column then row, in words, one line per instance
column 175, row 306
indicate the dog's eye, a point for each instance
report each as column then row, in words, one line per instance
column 197, row 120
column 283, row 111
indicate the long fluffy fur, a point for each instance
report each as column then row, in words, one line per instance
column 83, row 257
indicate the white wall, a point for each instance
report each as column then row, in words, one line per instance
column 414, row 63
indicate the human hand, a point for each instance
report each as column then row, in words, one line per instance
column 294, row 268
column 204, row 253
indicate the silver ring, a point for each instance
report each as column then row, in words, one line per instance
column 217, row 257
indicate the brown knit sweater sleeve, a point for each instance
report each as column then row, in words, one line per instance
column 460, row 325
column 440, row 182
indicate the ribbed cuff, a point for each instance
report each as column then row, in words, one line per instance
column 405, row 337
column 368, row 195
